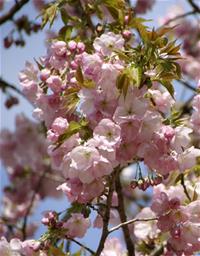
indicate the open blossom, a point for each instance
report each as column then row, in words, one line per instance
column 148, row 229
column 108, row 42
column 17, row 248
column 76, row 225
column 163, row 101
column 188, row 158
column 85, row 163
column 55, row 83
column 107, row 131
column 58, row 127
column 76, row 191
column 113, row 247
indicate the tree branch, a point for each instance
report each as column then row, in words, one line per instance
column 106, row 216
column 186, row 84
column 4, row 85
column 130, row 222
column 184, row 187
column 122, row 214
column 13, row 10
column 25, row 220
column 194, row 5
column 180, row 17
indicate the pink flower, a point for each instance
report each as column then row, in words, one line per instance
column 59, row 125
column 107, row 43
column 76, row 225
column 55, row 83
column 187, row 159
column 112, row 247
column 108, row 132
column 148, row 229
column 44, row 74
column 163, row 101
column 59, row 48
column 130, row 108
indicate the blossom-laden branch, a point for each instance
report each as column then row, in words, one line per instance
column 122, row 214
column 130, row 222
column 14, row 9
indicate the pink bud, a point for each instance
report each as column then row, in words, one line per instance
column 126, row 34
column 59, row 48
column 54, row 82
column 133, row 184
column 72, row 45
column 174, row 203
column 44, row 74
column 81, row 47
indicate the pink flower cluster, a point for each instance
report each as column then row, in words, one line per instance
column 178, row 217
column 122, row 128
column 17, row 248
column 24, row 155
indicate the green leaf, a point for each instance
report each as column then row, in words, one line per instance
column 168, row 85
column 142, row 29
column 123, row 83
column 73, row 128
column 54, row 251
column 79, row 75
column 137, row 75
column 65, row 17
column 49, row 15
column 65, row 33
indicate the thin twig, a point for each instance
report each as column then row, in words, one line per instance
column 184, row 187
column 186, row 84
column 4, row 85
column 130, row 222
column 106, row 216
column 179, row 17
column 25, row 220
column 121, row 209
column 14, row 9
column 83, row 246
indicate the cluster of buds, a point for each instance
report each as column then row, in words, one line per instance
column 50, row 219
column 21, row 24
column 11, row 101
column 144, row 183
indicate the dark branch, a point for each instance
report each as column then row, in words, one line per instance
column 180, row 17
column 194, row 5
column 122, row 214
column 186, row 84
column 4, row 86
column 35, row 192
column 14, row 9
column 106, row 217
